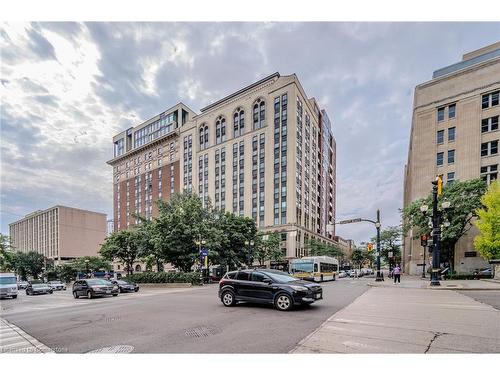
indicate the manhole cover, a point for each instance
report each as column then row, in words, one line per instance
column 114, row 349
column 202, row 331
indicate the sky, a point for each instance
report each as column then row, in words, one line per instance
column 67, row 88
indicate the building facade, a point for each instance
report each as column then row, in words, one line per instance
column 454, row 134
column 60, row 233
column 266, row 152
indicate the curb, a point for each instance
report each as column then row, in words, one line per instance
column 431, row 288
column 165, row 285
column 32, row 345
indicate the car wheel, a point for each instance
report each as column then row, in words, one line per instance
column 114, row 295
column 75, row 295
column 89, row 294
column 227, row 298
column 50, row 292
column 14, row 297
column 321, row 277
column 283, row 302
column 334, row 276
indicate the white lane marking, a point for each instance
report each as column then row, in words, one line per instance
column 116, row 349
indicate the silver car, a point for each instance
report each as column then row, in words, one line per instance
column 57, row 285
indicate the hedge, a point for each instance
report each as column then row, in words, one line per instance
column 194, row 278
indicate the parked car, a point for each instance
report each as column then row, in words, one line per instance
column 91, row 288
column 484, row 272
column 38, row 287
column 267, row 287
column 57, row 285
column 8, row 285
column 342, row 274
column 126, row 286
column 22, row 284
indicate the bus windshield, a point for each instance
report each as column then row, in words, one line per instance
column 8, row 280
column 302, row 266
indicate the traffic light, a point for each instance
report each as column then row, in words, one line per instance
column 369, row 246
column 423, row 240
column 440, row 185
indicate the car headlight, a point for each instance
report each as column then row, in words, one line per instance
column 299, row 288
column 115, row 286
column 95, row 287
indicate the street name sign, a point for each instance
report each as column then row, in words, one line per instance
column 350, row 221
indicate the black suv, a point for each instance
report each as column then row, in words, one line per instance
column 91, row 288
column 267, row 286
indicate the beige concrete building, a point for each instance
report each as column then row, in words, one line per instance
column 266, row 151
column 60, row 233
column 454, row 134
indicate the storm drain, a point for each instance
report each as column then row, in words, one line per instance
column 202, row 331
column 114, row 349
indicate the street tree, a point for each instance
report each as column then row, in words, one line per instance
column 122, row 245
column 93, row 263
column 357, row 256
column 390, row 241
column 318, row 248
column 182, row 222
column 268, row 247
column 28, row 264
column 487, row 242
column 148, row 249
column 6, row 254
column 465, row 200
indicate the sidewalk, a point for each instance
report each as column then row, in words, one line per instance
column 408, row 319
column 419, row 283
column 14, row 340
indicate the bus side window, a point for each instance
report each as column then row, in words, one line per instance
column 315, row 267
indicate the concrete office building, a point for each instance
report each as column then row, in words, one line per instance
column 454, row 134
column 60, row 233
column 266, row 151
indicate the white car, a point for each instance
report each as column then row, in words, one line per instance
column 342, row 274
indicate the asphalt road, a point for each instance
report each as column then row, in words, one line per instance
column 489, row 297
column 172, row 321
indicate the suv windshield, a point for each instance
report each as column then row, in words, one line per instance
column 54, row 282
column 8, row 280
column 280, row 277
column 97, row 282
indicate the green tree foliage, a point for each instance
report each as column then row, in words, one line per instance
column 390, row 240
column 465, row 200
column 182, row 221
column 6, row 254
column 318, row 248
column 267, row 247
column 28, row 264
column 94, row 264
column 122, row 245
column 358, row 256
column 149, row 251
column 487, row 242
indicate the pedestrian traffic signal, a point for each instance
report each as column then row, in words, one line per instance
column 369, row 246
column 440, row 185
column 423, row 240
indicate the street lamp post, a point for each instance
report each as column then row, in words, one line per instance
column 437, row 221
column 378, row 225
column 249, row 245
column 87, row 268
column 201, row 243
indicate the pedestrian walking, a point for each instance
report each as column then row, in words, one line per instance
column 396, row 271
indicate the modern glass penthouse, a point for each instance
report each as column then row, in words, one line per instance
column 266, row 151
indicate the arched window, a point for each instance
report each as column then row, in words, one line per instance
column 220, row 130
column 239, row 122
column 138, row 268
column 202, row 137
column 259, row 114
column 206, row 136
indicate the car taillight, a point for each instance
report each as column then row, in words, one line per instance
column 221, row 282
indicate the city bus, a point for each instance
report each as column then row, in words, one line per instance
column 318, row 268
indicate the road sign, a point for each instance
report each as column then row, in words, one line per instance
column 204, row 251
column 350, row 221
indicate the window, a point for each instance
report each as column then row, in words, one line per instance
column 451, row 111
column 451, row 156
column 257, row 276
column 489, row 124
column 451, row 134
column 440, row 114
column 489, row 148
column 490, row 100
column 119, row 147
column 243, row 275
column 450, row 177
column 489, row 173
column 259, row 114
column 238, row 122
column 220, row 130
column 439, row 159
column 440, row 137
